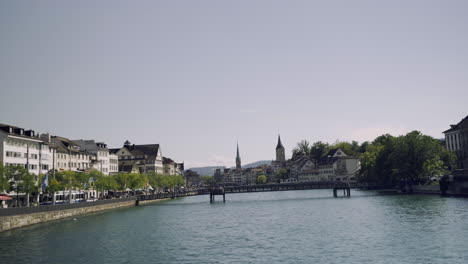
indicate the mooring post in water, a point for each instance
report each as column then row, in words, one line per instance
column 224, row 197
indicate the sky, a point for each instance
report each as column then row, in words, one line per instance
column 199, row 76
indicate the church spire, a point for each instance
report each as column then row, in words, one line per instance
column 280, row 155
column 238, row 159
column 279, row 143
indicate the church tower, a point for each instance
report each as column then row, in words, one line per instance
column 238, row 160
column 280, row 156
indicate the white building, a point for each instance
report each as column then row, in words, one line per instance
column 24, row 148
column 113, row 163
column 336, row 166
column 141, row 158
column 67, row 154
column 100, row 151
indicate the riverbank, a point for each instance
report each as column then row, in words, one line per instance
column 57, row 212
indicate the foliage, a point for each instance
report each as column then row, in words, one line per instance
column 351, row 149
column 121, row 179
column 207, row 180
column 21, row 181
column 136, row 181
column 282, row 174
column 3, row 179
column 319, row 150
column 412, row 158
column 302, row 148
column 261, row 179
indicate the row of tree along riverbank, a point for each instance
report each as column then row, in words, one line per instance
column 389, row 160
column 39, row 188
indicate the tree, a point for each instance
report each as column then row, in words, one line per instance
column 68, row 182
column 21, row 181
column 3, row 179
column 82, row 180
column 207, row 180
column 302, row 148
column 409, row 159
column 348, row 148
column 318, row 150
column 136, row 181
column 154, row 180
column 282, row 174
column 121, row 179
column 261, row 179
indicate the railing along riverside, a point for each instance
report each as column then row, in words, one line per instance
column 49, row 208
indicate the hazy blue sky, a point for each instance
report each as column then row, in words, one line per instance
column 197, row 76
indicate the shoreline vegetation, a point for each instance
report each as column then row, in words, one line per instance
column 389, row 160
column 17, row 179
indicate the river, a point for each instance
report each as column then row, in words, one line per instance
column 275, row 227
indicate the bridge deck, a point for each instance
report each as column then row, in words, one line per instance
column 291, row 187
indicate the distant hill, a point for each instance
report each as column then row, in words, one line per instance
column 210, row 170
column 256, row 164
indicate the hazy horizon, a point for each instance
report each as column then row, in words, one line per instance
column 199, row 76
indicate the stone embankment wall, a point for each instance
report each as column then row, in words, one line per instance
column 16, row 221
column 426, row 189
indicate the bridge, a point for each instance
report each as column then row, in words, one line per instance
column 223, row 190
column 334, row 185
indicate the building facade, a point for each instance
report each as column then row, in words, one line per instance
column 143, row 158
column 456, row 140
column 100, row 152
column 24, row 148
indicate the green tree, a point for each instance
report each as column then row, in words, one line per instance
column 412, row 158
column 302, row 148
column 3, row 179
column 21, row 181
column 121, row 179
column 261, row 179
column 282, row 174
column 82, row 180
column 207, row 180
column 154, row 180
column 136, row 181
column 318, row 150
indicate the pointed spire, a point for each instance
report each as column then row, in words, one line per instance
column 238, row 159
column 279, row 143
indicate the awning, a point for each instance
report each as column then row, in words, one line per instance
column 5, row 197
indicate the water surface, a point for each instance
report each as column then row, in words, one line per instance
column 275, row 227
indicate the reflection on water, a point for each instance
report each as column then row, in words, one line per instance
column 275, row 227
